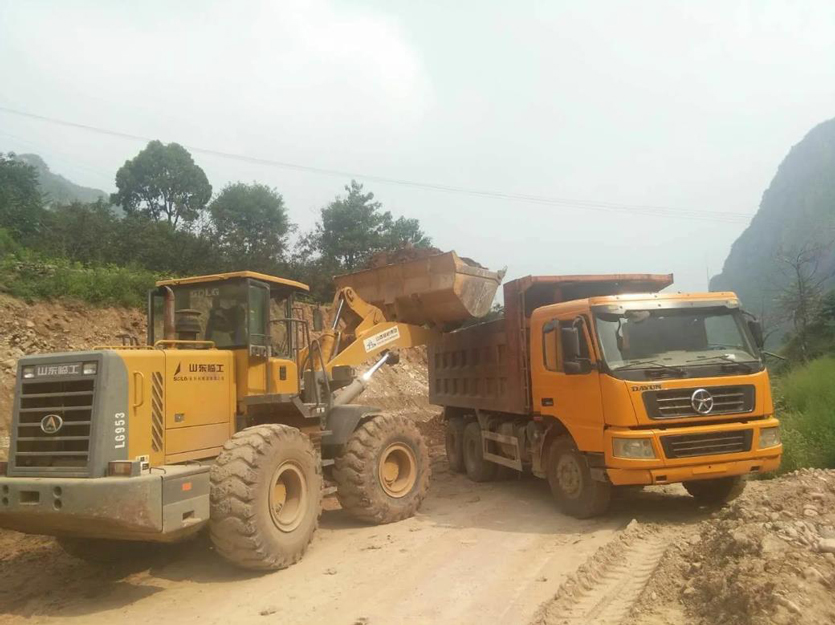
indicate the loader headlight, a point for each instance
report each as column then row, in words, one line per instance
column 28, row 372
column 90, row 368
column 769, row 437
column 640, row 448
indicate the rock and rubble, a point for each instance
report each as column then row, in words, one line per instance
column 766, row 558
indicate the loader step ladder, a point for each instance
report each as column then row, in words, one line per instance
column 488, row 454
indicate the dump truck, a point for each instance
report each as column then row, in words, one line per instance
column 596, row 382
column 234, row 415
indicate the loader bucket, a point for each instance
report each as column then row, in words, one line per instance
column 440, row 290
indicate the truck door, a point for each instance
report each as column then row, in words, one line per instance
column 565, row 389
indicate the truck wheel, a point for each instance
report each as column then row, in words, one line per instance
column 718, row 490
column 382, row 472
column 266, row 495
column 576, row 492
column 454, row 438
column 478, row 469
column 104, row 551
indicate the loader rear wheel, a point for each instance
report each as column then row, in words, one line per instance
column 577, row 493
column 717, row 490
column 454, row 439
column 478, row 469
column 382, row 472
column 266, row 495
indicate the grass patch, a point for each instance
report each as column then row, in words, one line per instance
column 805, row 399
column 33, row 278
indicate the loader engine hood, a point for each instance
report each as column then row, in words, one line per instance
column 70, row 414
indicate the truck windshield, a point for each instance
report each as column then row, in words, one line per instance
column 674, row 338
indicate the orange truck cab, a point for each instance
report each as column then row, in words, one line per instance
column 595, row 382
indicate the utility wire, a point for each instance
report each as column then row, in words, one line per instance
column 657, row 211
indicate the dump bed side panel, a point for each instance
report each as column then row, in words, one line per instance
column 474, row 368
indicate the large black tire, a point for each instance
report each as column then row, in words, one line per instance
column 716, row 491
column 104, row 551
column 569, row 475
column 382, row 472
column 454, row 439
column 266, row 496
column 478, row 469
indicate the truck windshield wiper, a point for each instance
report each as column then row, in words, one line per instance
column 653, row 364
column 739, row 363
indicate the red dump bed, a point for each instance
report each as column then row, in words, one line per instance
column 486, row 365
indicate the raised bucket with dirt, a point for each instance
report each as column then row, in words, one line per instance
column 441, row 290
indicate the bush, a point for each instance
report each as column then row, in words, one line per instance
column 805, row 400
column 31, row 278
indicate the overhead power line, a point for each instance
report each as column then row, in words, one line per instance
column 560, row 202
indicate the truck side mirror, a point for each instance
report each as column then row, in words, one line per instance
column 756, row 329
column 318, row 322
column 570, row 340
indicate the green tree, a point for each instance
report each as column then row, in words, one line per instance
column 85, row 233
column 163, row 182
column 354, row 227
column 21, row 203
column 251, row 226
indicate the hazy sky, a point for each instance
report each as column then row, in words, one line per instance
column 685, row 105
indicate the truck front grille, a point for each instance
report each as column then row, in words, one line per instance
column 689, row 445
column 678, row 402
column 66, row 450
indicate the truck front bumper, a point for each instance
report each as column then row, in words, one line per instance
column 664, row 470
column 164, row 505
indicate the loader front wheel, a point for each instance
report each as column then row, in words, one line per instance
column 382, row 472
column 266, row 495
column 454, row 441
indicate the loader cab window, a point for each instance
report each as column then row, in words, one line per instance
column 281, row 335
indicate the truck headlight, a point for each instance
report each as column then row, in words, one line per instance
column 633, row 448
column 28, row 372
column 89, row 368
column 769, row 437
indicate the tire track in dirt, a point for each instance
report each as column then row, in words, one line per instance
column 607, row 586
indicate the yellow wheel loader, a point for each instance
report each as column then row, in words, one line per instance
column 232, row 416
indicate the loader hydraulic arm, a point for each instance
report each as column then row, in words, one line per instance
column 360, row 331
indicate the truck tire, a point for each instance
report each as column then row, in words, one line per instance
column 569, row 476
column 265, row 497
column 478, row 469
column 382, row 472
column 104, row 551
column 718, row 490
column 454, row 439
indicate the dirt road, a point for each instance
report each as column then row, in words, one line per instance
column 476, row 553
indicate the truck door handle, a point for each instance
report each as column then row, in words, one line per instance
column 138, row 389
column 547, row 401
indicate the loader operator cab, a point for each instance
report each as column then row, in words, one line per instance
column 241, row 310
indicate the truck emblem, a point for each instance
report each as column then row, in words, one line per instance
column 702, row 401
column 51, row 423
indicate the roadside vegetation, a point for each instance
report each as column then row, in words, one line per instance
column 166, row 220
column 805, row 403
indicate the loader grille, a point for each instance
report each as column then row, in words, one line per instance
column 677, row 403
column 67, row 450
column 689, row 445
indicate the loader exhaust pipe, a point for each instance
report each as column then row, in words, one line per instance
column 169, row 332
column 355, row 388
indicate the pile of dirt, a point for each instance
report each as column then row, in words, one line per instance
column 403, row 255
column 767, row 558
